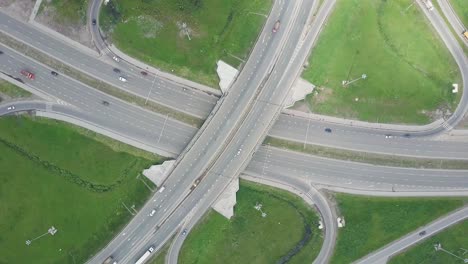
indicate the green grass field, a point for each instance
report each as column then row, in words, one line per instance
column 12, row 90
column 372, row 222
column 409, row 70
column 52, row 175
column 70, row 12
column 453, row 239
column 152, row 31
column 461, row 8
column 249, row 238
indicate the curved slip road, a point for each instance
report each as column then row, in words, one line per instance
column 294, row 185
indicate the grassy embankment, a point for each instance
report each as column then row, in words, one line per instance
column 454, row 239
column 12, row 90
column 153, row 32
column 67, row 12
column 409, row 70
column 250, row 238
column 373, row 222
column 53, row 174
column 461, row 8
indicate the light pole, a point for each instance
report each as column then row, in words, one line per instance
column 258, row 14
column 438, row 247
column 152, row 85
column 346, row 83
column 184, row 26
column 258, row 207
column 52, row 230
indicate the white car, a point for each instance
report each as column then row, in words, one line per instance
column 11, row 108
column 162, row 189
column 152, row 212
column 117, row 59
column 122, row 79
column 388, row 136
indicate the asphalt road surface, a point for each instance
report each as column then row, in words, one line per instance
column 210, row 145
column 303, row 131
column 288, row 127
column 266, row 106
column 352, row 175
column 453, row 19
column 167, row 136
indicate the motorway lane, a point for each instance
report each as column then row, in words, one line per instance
column 301, row 130
column 353, row 175
column 382, row 255
column 160, row 90
column 168, row 135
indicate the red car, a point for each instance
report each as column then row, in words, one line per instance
column 28, row 74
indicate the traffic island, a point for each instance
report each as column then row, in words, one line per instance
column 269, row 225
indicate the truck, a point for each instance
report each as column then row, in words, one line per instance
column 28, row 74
column 428, row 4
column 465, row 34
column 145, row 256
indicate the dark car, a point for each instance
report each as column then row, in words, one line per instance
column 184, row 232
column 422, row 233
column 54, row 73
column 116, row 70
column 328, row 130
column 105, row 103
column 93, row 22
column 1, row 52
column 144, row 73
column 407, row 135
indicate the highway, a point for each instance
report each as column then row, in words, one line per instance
column 241, row 121
column 382, row 255
column 288, row 127
column 168, row 137
column 371, row 140
column 352, row 175
column 176, row 95
column 210, row 143
column 294, row 128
